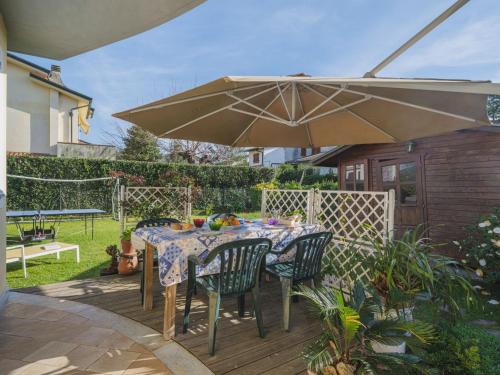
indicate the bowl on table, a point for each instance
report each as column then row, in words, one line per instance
column 215, row 225
column 198, row 223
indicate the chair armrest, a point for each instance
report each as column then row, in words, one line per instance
column 194, row 259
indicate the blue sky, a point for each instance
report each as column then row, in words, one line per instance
column 280, row 37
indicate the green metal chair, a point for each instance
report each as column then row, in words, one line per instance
column 240, row 265
column 306, row 265
column 157, row 222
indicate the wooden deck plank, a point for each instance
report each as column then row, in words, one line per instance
column 239, row 348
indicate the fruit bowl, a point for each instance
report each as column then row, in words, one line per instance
column 215, row 225
column 198, row 223
column 181, row 227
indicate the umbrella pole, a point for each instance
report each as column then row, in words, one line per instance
column 414, row 39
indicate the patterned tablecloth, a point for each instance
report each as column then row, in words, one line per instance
column 175, row 247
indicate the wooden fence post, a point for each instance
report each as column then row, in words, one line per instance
column 390, row 214
column 121, row 204
column 263, row 204
column 189, row 204
column 310, row 206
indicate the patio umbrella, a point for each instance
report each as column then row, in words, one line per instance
column 302, row 111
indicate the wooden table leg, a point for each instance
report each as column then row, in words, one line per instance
column 169, row 313
column 148, row 277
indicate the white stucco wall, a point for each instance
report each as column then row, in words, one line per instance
column 3, row 162
column 27, row 113
column 37, row 116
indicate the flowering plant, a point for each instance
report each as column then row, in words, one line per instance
column 482, row 247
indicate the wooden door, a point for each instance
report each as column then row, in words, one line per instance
column 405, row 177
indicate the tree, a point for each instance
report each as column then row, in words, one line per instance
column 140, row 145
column 202, row 153
column 493, row 108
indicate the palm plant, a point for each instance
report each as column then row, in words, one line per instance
column 407, row 269
column 344, row 346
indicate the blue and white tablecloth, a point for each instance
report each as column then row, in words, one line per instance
column 175, row 247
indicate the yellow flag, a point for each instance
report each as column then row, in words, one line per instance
column 82, row 117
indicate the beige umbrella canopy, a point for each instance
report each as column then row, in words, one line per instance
column 300, row 111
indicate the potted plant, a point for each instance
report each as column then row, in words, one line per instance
column 350, row 330
column 408, row 270
column 128, row 257
column 112, row 251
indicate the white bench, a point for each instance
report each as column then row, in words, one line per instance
column 20, row 253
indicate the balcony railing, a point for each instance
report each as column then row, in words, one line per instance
column 79, row 150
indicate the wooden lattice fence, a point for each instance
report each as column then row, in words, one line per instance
column 176, row 201
column 349, row 215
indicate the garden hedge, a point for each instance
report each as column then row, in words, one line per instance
column 24, row 194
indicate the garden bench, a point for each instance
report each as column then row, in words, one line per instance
column 20, row 253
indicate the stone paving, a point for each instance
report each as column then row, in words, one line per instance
column 41, row 340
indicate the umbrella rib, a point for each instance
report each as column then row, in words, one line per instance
column 341, row 108
column 215, row 112
column 416, row 106
column 197, row 98
column 306, row 125
column 369, row 123
column 254, row 106
column 259, row 116
column 255, row 119
column 283, row 100
column 326, row 100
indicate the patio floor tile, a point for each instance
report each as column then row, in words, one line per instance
column 117, row 341
column 147, row 364
column 16, row 347
column 93, row 336
column 52, row 352
column 83, row 356
column 114, row 362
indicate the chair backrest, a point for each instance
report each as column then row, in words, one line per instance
column 309, row 251
column 216, row 216
column 240, row 263
column 157, row 222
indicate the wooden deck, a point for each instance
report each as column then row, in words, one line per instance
column 239, row 348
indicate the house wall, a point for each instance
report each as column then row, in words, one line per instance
column 3, row 155
column 37, row 116
column 461, row 176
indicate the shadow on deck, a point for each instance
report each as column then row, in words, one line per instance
column 239, row 348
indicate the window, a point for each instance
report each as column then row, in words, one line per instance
column 402, row 177
column 354, row 176
column 256, row 158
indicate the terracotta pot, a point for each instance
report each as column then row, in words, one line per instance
column 128, row 259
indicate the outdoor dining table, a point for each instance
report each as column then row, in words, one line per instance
column 174, row 247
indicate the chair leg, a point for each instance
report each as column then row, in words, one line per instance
column 142, row 281
column 241, row 305
column 316, row 281
column 286, row 288
column 24, row 268
column 187, row 308
column 257, row 310
column 213, row 320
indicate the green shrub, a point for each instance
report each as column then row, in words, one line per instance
column 482, row 247
column 26, row 194
column 466, row 350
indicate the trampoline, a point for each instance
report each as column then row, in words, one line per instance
column 39, row 218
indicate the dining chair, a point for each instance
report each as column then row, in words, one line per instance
column 156, row 222
column 239, row 269
column 305, row 266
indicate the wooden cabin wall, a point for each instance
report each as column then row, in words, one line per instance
column 460, row 176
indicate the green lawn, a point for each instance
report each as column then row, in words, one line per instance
column 47, row 269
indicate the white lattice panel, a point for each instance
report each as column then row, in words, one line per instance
column 174, row 200
column 349, row 215
column 280, row 202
